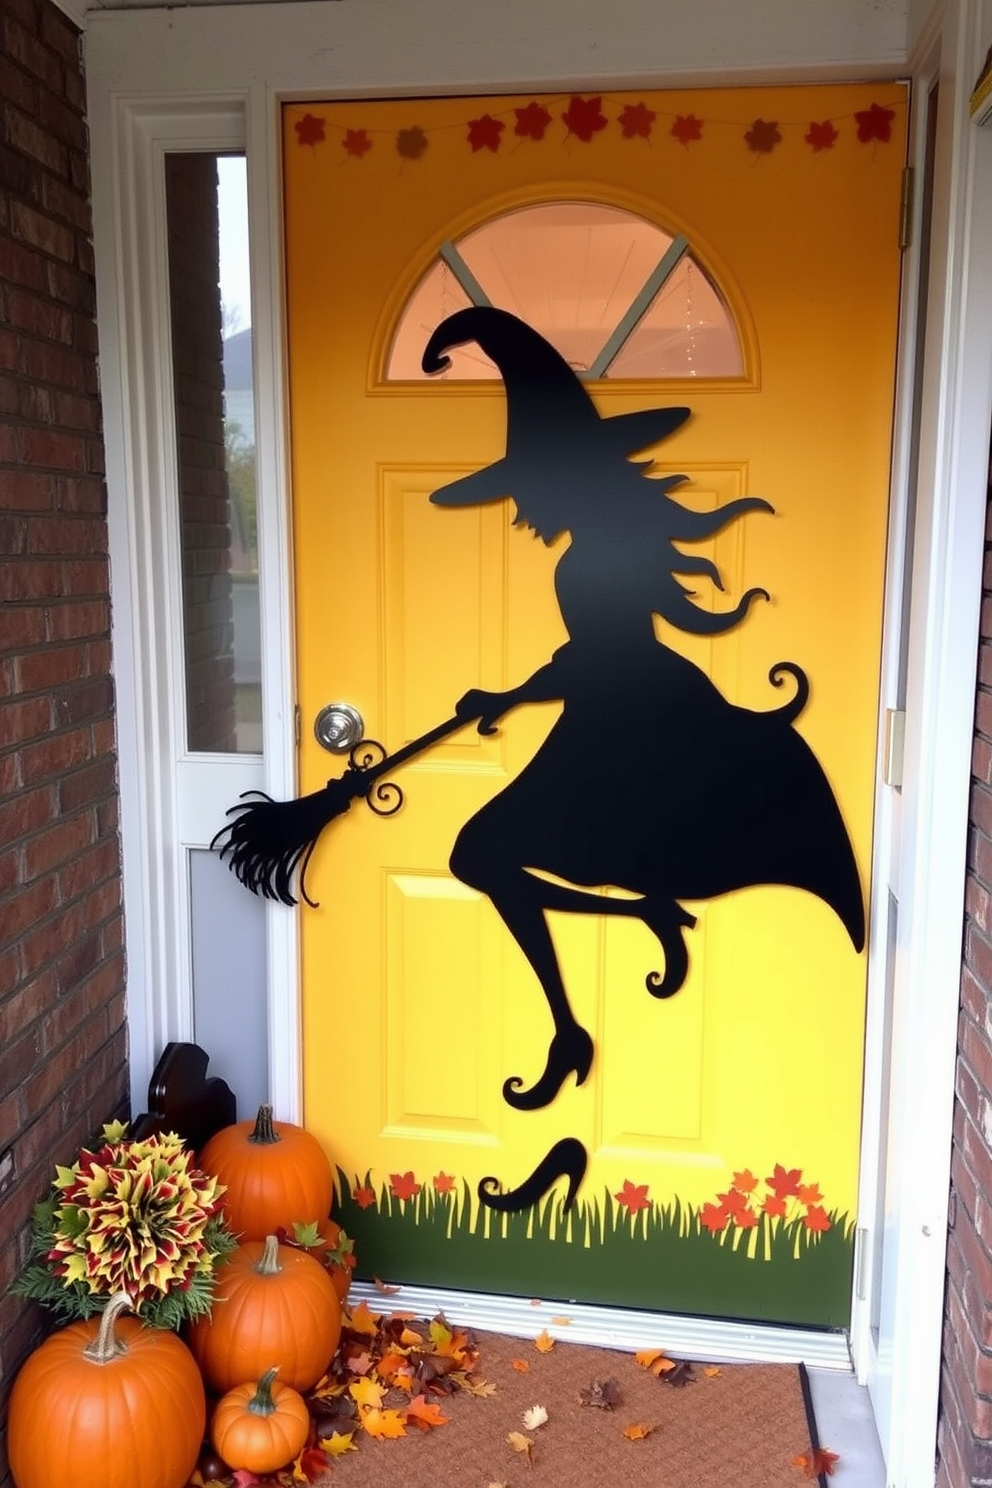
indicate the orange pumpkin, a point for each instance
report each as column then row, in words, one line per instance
column 260, row 1427
column 107, row 1403
column 328, row 1244
column 276, row 1173
column 272, row 1303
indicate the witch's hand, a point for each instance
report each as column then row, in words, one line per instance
column 487, row 707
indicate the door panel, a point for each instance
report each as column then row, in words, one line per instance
column 417, row 1004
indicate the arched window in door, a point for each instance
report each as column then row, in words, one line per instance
column 613, row 292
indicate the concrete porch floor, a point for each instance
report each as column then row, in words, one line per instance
column 846, row 1425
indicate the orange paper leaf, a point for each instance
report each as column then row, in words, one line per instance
column 544, row 1343
column 817, row 1461
column 425, row 1417
column 365, row 1392
column 637, row 1431
column 520, row 1365
column 362, row 1320
column 339, row 1443
column 520, row 1443
column 383, row 1423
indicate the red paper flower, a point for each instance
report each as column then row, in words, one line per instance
column 785, row 1184
column 484, row 133
column 633, row 1196
column 403, row 1186
column 356, row 142
column 411, row 143
column 687, row 128
column 532, row 121
column 636, row 121
column 363, row 1197
column 821, row 136
column 875, row 123
column 737, row 1207
column 713, row 1217
column 774, row 1207
column 584, row 117
column 444, row 1183
column 816, row 1219
column 763, row 136
column 309, row 129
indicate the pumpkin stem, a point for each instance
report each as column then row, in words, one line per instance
column 261, row 1403
column 106, row 1346
column 264, row 1133
column 268, row 1262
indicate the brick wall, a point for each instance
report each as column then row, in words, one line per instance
column 965, row 1435
column 62, row 1032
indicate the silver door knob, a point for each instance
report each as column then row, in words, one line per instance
column 338, row 727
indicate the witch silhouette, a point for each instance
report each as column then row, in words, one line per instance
column 725, row 796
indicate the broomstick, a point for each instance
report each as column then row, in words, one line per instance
column 268, row 841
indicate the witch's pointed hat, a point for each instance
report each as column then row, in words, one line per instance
column 551, row 420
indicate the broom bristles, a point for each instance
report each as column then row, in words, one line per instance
column 268, row 842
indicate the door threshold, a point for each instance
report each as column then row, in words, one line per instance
column 712, row 1339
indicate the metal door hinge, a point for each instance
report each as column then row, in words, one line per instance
column 861, row 1264
column 906, row 207
column 895, row 745
column 297, row 724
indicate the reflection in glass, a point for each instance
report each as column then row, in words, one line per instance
column 571, row 270
column 206, row 213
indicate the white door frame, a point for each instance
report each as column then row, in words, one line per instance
column 148, row 69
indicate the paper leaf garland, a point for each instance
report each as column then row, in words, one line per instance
column 763, row 136
column 309, row 129
column 687, row 128
column 821, row 136
column 532, row 121
column 584, row 117
column 484, row 133
column 636, row 121
column 411, row 143
column 875, row 123
column 356, row 142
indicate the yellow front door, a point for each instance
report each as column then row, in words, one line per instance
column 719, row 1126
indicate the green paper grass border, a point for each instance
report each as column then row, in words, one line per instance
column 661, row 1258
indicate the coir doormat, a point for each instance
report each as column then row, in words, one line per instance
column 435, row 1405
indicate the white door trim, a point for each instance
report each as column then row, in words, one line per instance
column 312, row 50
column 173, row 800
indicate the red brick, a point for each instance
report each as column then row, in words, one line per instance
column 67, row 535
column 83, row 493
column 64, row 122
column 28, row 1004
column 79, row 619
column 27, row 719
column 25, row 135
column 18, row 265
column 54, row 449
column 26, row 908
column 87, row 786
column 56, row 756
column 47, row 850
column 38, row 230
column 23, row 490
column 26, row 812
column 85, row 576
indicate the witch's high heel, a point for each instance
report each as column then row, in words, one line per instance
column 670, row 929
column 567, row 1159
column 570, row 1052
